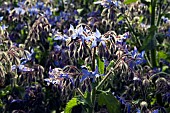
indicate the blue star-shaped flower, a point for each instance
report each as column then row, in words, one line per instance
column 87, row 74
column 138, row 58
column 97, row 38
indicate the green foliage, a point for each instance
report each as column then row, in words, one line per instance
column 110, row 101
column 87, row 99
column 100, row 64
column 150, row 41
column 160, row 37
column 72, row 103
column 111, row 64
column 120, row 18
column 162, row 54
column 39, row 32
column 130, row 1
column 5, row 91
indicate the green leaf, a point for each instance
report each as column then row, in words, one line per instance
column 87, row 98
column 160, row 37
column 5, row 91
column 100, row 65
column 150, row 8
column 150, row 42
column 167, row 15
column 141, row 19
column 130, row 1
column 120, row 18
column 110, row 101
column 72, row 103
column 110, row 65
column 168, row 109
column 162, row 54
column 153, row 101
column 80, row 10
column 22, row 32
column 164, row 68
column 20, row 90
column 136, row 101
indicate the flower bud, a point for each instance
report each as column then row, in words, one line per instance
column 143, row 105
column 136, row 19
column 160, row 80
column 161, row 84
column 104, row 21
column 146, row 82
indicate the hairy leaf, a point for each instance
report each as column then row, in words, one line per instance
column 110, row 65
column 110, row 101
column 100, row 65
column 72, row 103
column 150, row 41
column 130, row 1
column 162, row 54
column 5, row 91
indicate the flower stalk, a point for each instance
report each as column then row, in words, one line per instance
column 110, row 71
column 152, row 33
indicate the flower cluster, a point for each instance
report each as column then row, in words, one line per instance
column 84, row 56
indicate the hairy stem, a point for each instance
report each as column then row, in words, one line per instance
column 152, row 33
column 110, row 71
column 93, row 59
column 138, row 41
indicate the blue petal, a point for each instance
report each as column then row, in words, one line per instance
column 88, row 38
column 109, row 1
column 103, row 43
column 14, row 67
column 134, row 52
column 80, row 30
column 4, row 27
column 71, row 27
column 33, row 11
column 48, row 12
column 83, row 78
column 94, row 44
column 58, row 38
column 156, row 111
column 138, row 111
column 142, row 54
column 129, row 108
column 24, row 62
column 56, row 63
column 19, row 11
column 72, row 81
column 74, row 36
column 39, row 5
column 131, row 64
column 85, row 72
column 64, row 76
column 1, row 18
column 97, row 33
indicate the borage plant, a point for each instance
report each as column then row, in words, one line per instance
column 117, row 61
